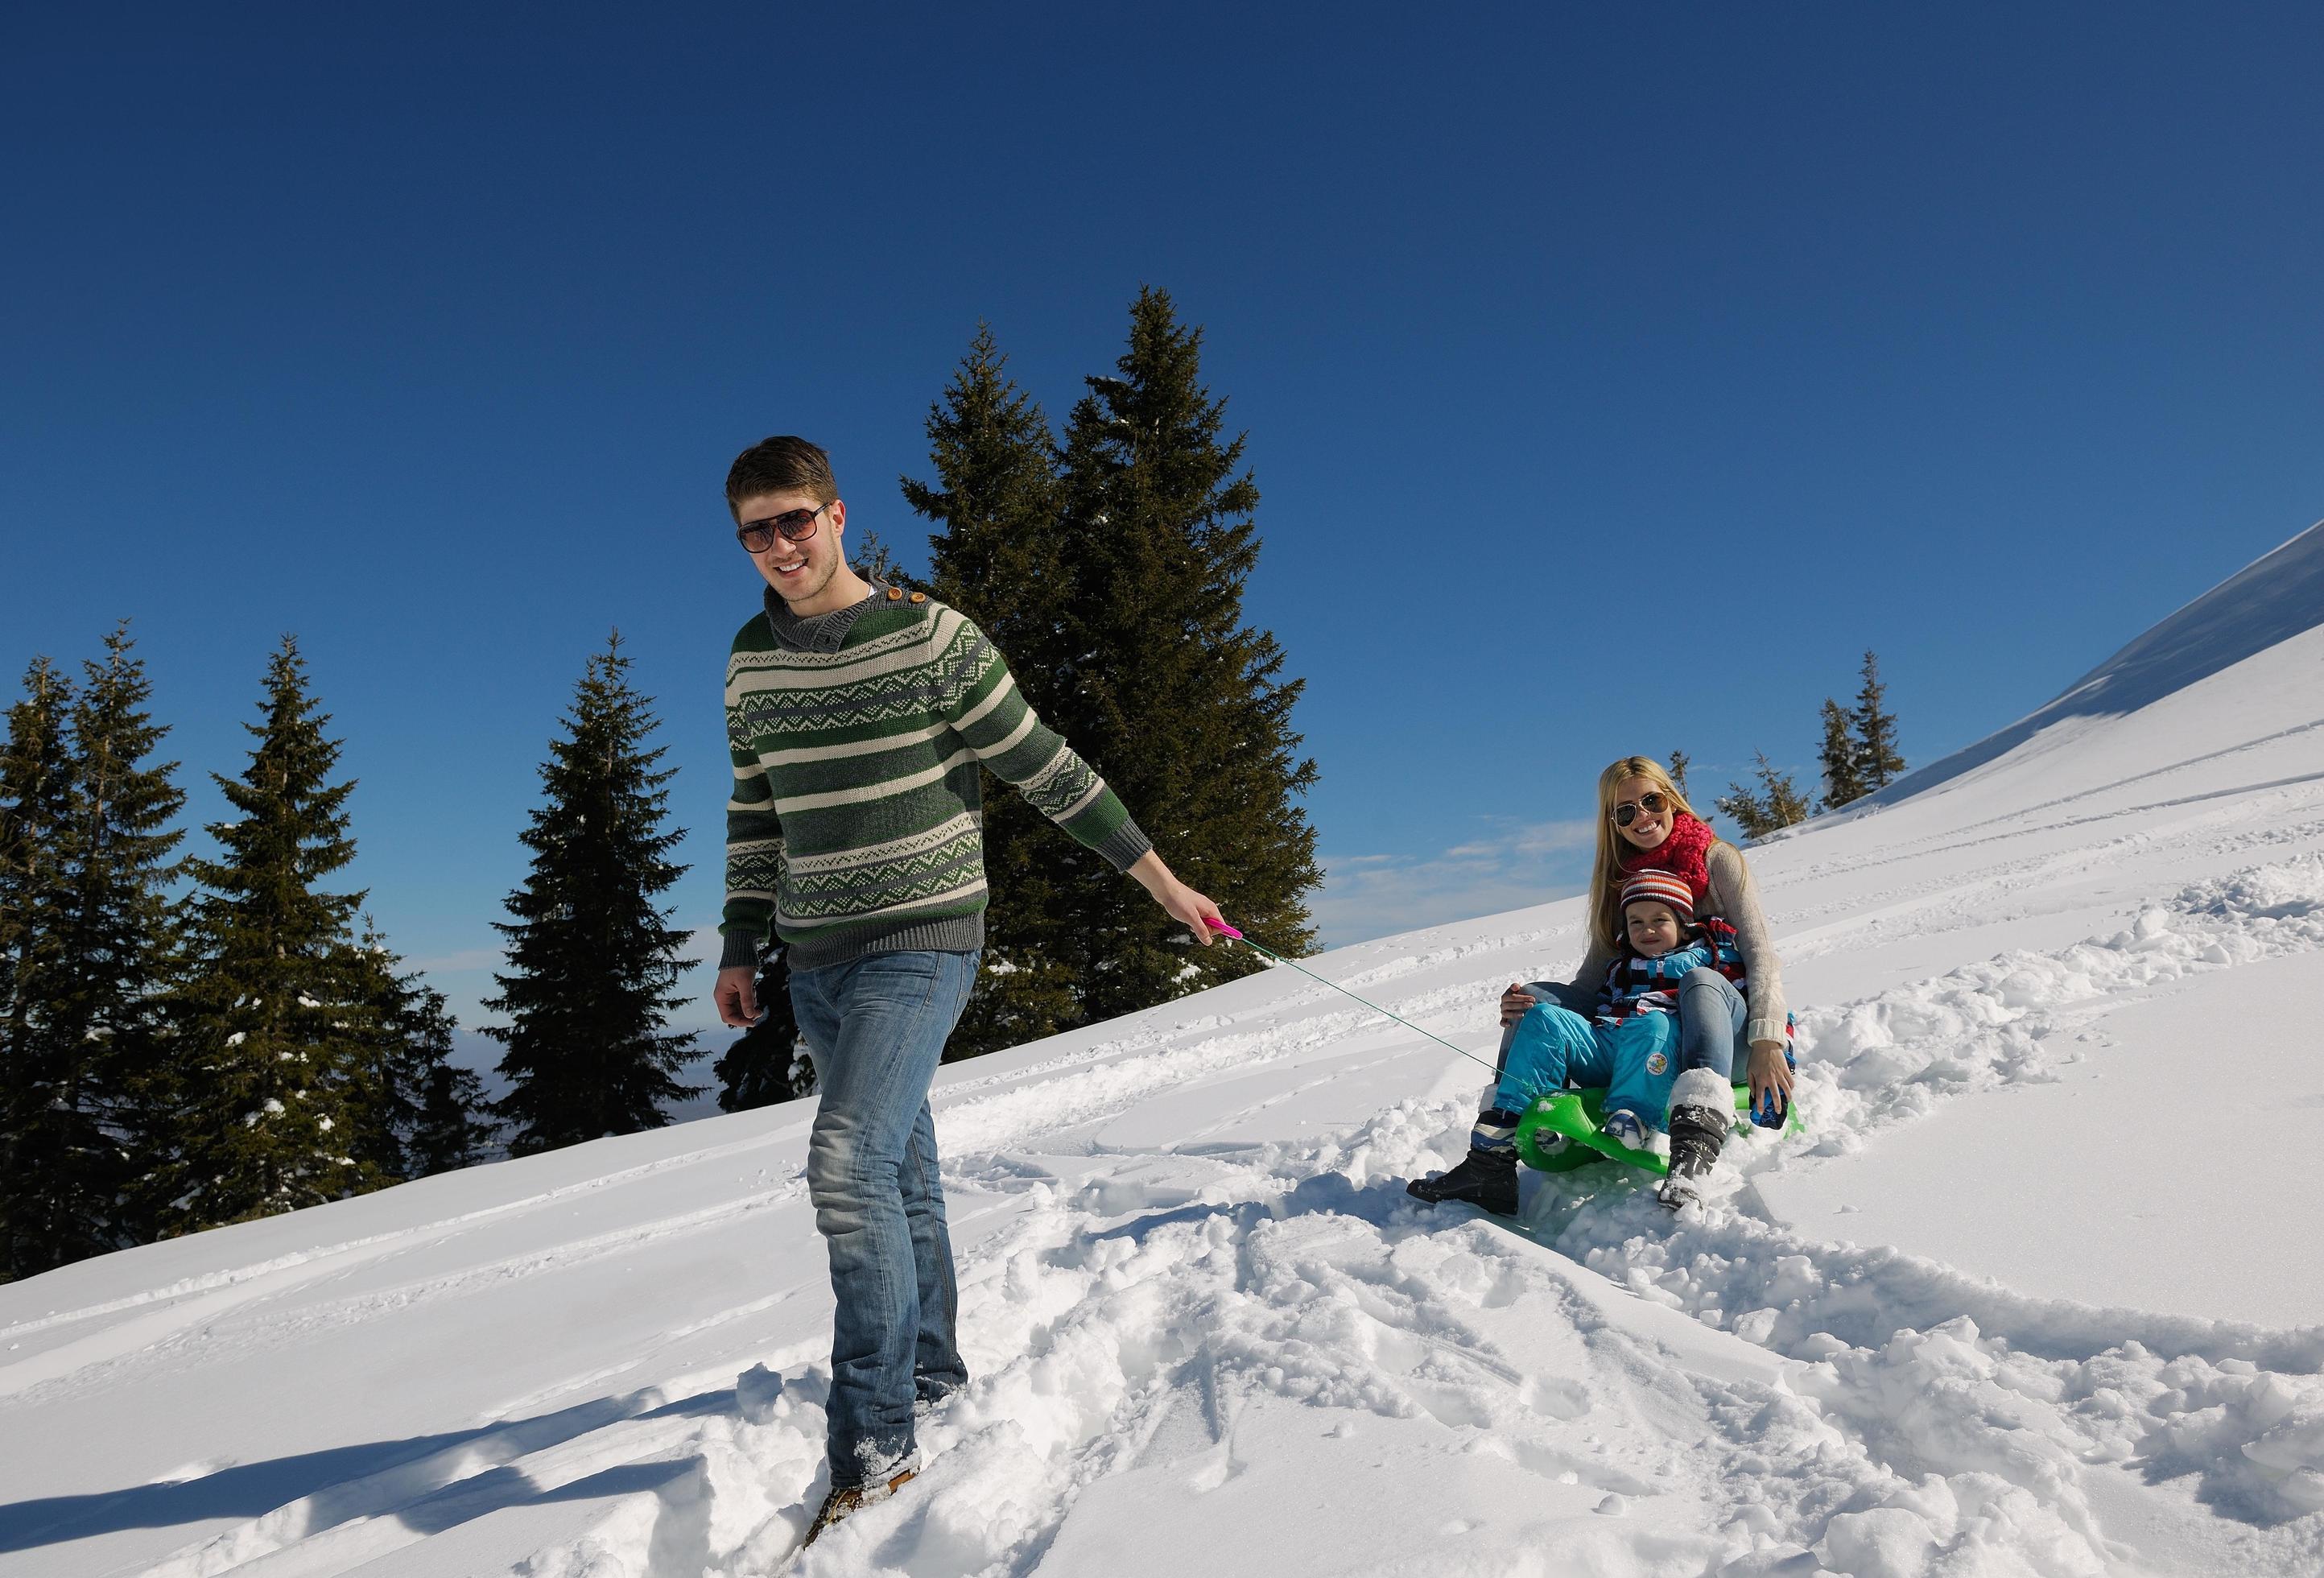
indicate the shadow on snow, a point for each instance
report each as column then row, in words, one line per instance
column 339, row 1481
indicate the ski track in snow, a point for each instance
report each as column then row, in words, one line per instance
column 1906, row 1418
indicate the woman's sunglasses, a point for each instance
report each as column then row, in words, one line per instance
column 1651, row 803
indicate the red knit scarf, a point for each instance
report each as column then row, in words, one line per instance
column 1681, row 855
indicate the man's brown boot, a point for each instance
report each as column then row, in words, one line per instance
column 855, row 1498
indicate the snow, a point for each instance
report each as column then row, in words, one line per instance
column 2161, row 1146
column 2034, row 1293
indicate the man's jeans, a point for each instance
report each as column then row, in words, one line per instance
column 875, row 1029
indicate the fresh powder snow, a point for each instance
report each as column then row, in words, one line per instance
column 2034, row 1293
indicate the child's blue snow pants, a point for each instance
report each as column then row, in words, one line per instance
column 1636, row 1061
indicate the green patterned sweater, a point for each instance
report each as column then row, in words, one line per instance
column 856, row 824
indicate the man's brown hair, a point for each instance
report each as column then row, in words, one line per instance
column 781, row 464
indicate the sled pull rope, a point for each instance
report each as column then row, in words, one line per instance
column 1223, row 930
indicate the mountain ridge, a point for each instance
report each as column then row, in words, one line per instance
column 2274, row 599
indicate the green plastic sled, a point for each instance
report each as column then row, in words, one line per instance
column 1560, row 1132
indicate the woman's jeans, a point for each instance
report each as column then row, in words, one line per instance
column 875, row 1029
column 1555, row 1041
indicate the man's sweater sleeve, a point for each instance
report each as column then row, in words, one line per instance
column 754, row 863
column 1735, row 898
column 993, row 719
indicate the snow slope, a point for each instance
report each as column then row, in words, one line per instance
column 2019, row 1302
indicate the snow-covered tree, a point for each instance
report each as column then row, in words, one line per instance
column 120, row 955
column 272, row 1026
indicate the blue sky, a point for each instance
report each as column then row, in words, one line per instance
column 1614, row 376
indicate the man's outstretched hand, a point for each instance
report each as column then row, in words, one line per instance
column 1187, row 907
column 737, row 996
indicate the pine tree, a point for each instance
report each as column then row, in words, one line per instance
column 1175, row 701
column 1878, row 761
column 1779, row 804
column 456, row 1127
column 385, row 1088
column 271, row 1027
column 120, row 949
column 36, row 795
column 766, row 1063
column 1784, row 801
column 1746, row 811
column 1000, row 559
column 592, row 958
column 1843, row 777
column 1679, row 763
column 421, row 1113
column 873, row 559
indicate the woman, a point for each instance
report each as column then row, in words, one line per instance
column 1644, row 823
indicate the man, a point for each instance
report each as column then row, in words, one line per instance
column 858, row 716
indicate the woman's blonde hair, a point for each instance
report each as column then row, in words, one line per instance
column 1606, row 875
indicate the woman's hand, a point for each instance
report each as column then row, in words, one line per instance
column 1515, row 1003
column 1770, row 1071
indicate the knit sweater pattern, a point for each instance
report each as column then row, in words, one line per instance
column 858, row 738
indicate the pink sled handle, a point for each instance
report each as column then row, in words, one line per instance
column 1220, row 925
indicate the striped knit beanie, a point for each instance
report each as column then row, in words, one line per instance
column 1662, row 888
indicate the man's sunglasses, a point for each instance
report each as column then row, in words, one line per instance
column 1651, row 803
column 791, row 525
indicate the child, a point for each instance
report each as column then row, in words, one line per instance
column 1630, row 1045
column 1636, row 1023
